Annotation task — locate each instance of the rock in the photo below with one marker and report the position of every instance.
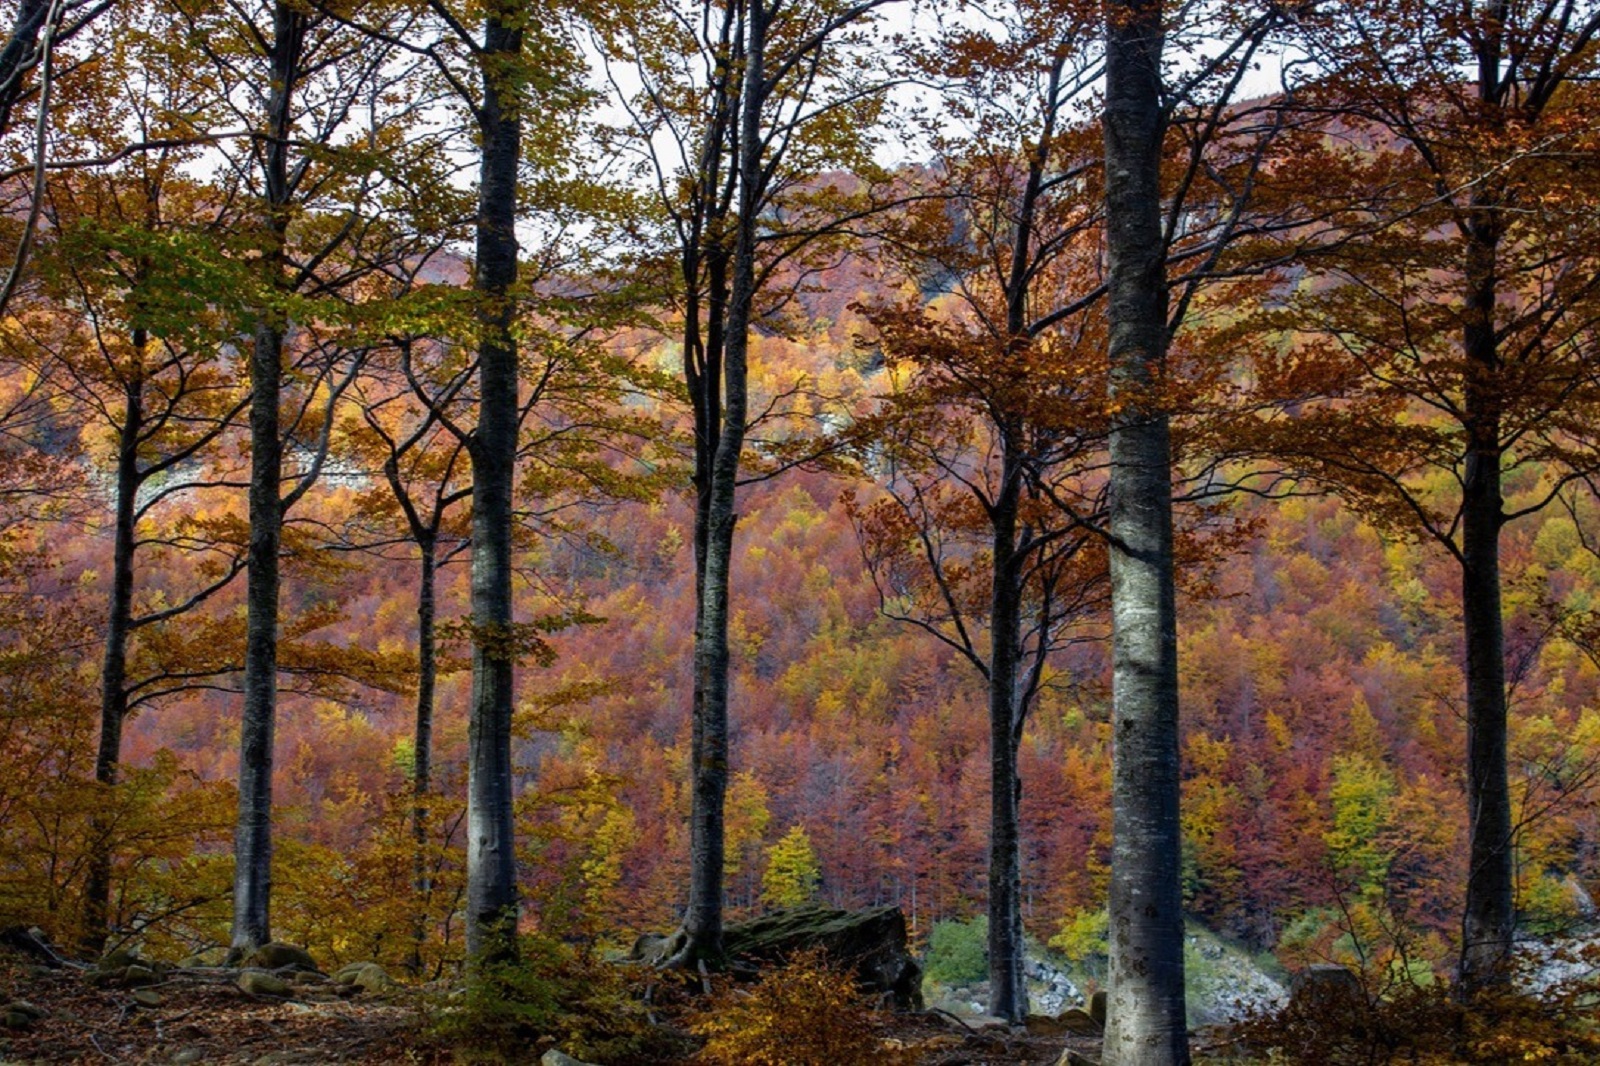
(1097, 1008)
(118, 959)
(32, 942)
(276, 955)
(138, 975)
(367, 976)
(554, 1057)
(1079, 1021)
(1045, 1025)
(872, 942)
(653, 950)
(188, 1056)
(1318, 988)
(207, 958)
(19, 1014)
(986, 1023)
(147, 998)
(260, 983)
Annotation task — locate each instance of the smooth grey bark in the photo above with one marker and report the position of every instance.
(491, 924)
(1146, 1010)
(709, 750)
(252, 879)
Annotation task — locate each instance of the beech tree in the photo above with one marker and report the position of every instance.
(1455, 308)
(1180, 160)
(742, 103)
(324, 112)
(991, 451)
(151, 372)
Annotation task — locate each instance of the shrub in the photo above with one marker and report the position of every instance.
(958, 952)
(553, 994)
(1411, 1022)
(804, 1013)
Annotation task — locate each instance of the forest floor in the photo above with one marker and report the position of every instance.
(202, 1018)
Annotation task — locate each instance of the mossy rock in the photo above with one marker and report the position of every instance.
(367, 976)
(871, 942)
(207, 958)
(1079, 1021)
(276, 955)
(118, 959)
(261, 983)
(20, 1014)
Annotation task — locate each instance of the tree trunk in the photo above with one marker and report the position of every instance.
(703, 921)
(422, 769)
(252, 878)
(1489, 920)
(491, 846)
(1008, 993)
(114, 665)
(1146, 1023)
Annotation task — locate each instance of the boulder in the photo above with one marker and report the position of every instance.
(32, 942)
(147, 997)
(276, 955)
(871, 942)
(367, 976)
(205, 958)
(139, 974)
(1318, 988)
(653, 949)
(1079, 1021)
(261, 983)
(19, 1014)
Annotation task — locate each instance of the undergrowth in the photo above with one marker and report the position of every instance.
(1402, 1020)
(554, 995)
(804, 1013)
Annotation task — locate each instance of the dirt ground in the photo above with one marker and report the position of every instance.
(201, 1017)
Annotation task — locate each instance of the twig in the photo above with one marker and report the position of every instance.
(954, 1018)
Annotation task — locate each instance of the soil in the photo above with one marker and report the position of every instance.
(203, 1018)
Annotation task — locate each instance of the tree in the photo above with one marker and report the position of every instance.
(792, 875)
(308, 169)
(743, 102)
(1455, 312)
(1169, 219)
(153, 374)
(991, 450)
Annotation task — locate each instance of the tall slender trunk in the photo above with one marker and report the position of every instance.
(422, 769)
(1489, 920)
(703, 921)
(114, 664)
(1008, 993)
(252, 878)
(1146, 1024)
(491, 846)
